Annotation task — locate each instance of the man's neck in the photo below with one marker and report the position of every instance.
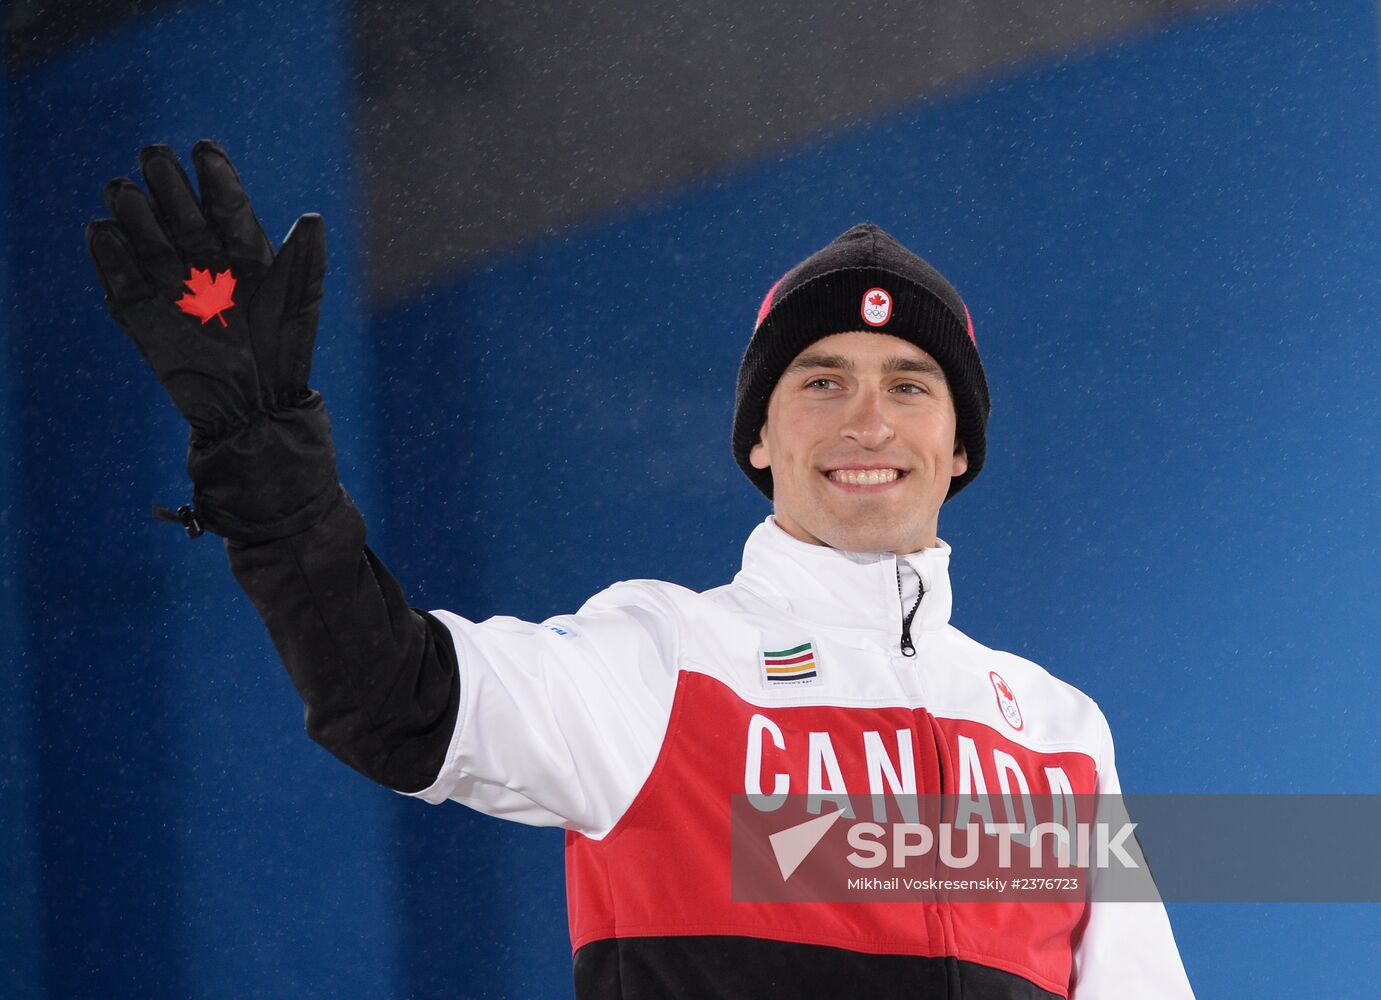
(928, 540)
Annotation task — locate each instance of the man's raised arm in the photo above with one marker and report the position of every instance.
(228, 328)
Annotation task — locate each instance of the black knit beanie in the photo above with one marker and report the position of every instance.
(863, 280)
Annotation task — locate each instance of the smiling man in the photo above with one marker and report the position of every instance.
(861, 442)
(827, 666)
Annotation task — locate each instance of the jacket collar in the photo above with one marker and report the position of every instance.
(843, 589)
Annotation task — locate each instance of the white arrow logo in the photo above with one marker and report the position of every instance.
(793, 844)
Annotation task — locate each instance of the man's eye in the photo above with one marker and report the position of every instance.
(821, 381)
(911, 389)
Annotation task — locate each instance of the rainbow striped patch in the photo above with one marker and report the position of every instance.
(785, 666)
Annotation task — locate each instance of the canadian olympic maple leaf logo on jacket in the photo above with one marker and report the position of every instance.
(208, 296)
(1006, 701)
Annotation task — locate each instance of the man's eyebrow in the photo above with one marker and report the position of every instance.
(920, 366)
(808, 362)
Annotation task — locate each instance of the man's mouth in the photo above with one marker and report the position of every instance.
(864, 477)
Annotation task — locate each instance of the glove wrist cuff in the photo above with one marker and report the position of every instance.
(274, 477)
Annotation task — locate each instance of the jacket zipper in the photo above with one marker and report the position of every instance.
(908, 648)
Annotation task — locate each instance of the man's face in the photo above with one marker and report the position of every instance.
(860, 437)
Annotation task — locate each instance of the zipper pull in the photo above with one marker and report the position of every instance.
(186, 515)
(908, 648)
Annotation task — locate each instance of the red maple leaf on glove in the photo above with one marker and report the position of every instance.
(1006, 691)
(208, 296)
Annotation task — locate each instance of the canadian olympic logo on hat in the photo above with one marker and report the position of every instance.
(877, 306)
(1006, 700)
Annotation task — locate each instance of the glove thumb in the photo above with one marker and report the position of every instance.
(285, 312)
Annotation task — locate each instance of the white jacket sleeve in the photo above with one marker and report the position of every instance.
(560, 722)
(1126, 951)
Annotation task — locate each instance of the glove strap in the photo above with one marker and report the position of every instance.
(186, 515)
(272, 478)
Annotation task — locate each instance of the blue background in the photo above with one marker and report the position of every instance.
(1170, 246)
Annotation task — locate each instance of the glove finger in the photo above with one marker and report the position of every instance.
(133, 212)
(117, 265)
(287, 306)
(177, 208)
(191, 377)
(227, 208)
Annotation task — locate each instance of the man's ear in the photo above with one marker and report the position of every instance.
(758, 456)
(961, 458)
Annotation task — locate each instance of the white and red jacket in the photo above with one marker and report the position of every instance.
(632, 722)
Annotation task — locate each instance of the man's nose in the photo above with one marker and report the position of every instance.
(867, 421)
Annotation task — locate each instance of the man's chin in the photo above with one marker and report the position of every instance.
(856, 537)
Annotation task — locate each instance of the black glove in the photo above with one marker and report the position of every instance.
(228, 329)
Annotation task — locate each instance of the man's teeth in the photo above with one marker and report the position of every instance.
(864, 477)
